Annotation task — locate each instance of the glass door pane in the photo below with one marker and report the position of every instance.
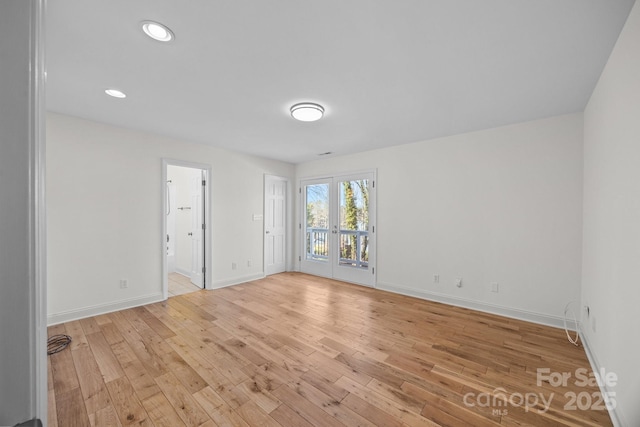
(317, 222)
(354, 223)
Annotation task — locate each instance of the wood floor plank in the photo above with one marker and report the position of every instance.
(64, 373)
(144, 351)
(125, 402)
(370, 412)
(396, 395)
(70, 409)
(333, 407)
(161, 412)
(111, 333)
(261, 397)
(185, 373)
(182, 401)
(394, 409)
(303, 407)
(75, 331)
(94, 390)
(288, 417)
(218, 409)
(90, 325)
(106, 360)
(297, 350)
(141, 381)
(326, 386)
(214, 377)
(52, 413)
(255, 416)
(240, 348)
(106, 417)
(154, 323)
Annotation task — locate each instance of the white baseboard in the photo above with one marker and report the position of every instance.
(529, 316)
(616, 416)
(67, 316)
(185, 273)
(236, 280)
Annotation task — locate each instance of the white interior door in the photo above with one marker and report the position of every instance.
(275, 207)
(197, 230)
(338, 228)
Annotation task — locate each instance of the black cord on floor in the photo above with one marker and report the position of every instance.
(57, 343)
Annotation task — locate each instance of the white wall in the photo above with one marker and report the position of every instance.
(23, 376)
(502, 205)
(104, 206)
(611, 263)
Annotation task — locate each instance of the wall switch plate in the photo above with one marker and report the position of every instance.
(124, 284)
(234, 266)
(494, 287)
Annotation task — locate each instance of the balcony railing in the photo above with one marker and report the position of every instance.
(317, 246)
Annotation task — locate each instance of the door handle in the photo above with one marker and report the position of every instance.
(267, 232)
(189, 234)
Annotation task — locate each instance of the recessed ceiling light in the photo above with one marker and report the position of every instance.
(115, 93)
(307, 112)
(157, 31)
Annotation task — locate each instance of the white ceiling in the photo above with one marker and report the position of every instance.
(387, 72)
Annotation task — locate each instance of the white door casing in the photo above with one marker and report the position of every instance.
(206, 237)
(197, 229)
(275, 220)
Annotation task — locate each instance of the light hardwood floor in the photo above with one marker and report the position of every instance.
(180, 285)
(295, 350)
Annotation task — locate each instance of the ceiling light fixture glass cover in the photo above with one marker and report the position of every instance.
(115, 93)
(307, 112)
(157, 31)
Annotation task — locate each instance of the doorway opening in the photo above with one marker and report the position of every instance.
(186, 237)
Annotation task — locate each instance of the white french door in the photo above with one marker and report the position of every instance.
(338, 227)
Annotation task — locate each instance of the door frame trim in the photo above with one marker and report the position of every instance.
(288, 225)
(207, 218)
(37, 243)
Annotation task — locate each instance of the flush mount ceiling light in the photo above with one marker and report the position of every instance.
(307, 112)
(157, 31)
(115, 93)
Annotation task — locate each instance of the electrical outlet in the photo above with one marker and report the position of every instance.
(436, 278)
(249, 263)
(124, 284)
(459, 282)
(494, 287)
(234, 266)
